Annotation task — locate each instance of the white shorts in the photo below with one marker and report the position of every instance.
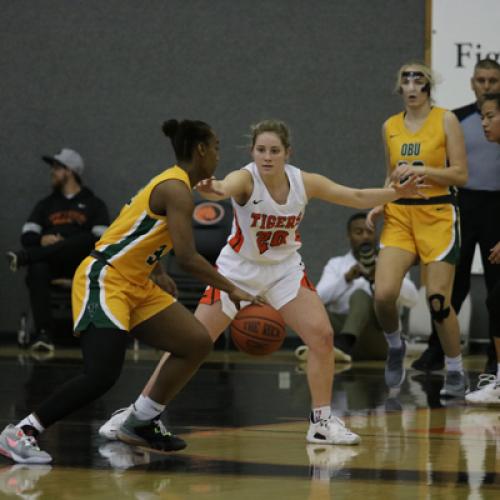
(279, 283)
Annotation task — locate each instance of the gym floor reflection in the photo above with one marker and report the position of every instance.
(245, 422)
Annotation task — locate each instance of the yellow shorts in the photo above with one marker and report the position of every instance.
(102, 297)
(432, 232)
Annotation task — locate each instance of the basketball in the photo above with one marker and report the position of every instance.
(258, 330)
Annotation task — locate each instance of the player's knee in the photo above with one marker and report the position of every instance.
(322, 340)
(437, 306)
(384, 298)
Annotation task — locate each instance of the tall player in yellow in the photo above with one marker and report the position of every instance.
(427, 141)
(113, 296)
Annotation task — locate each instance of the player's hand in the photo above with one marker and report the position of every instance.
(238, 295)
(412, 185)
(373, 215)
(209, 186)
(494, 256)
(50, 239)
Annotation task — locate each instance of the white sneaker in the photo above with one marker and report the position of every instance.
(487, 392)
(109, 429)
(331, 431)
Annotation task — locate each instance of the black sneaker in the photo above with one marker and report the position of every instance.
(150, 434)
(431, 360)
(42, 342)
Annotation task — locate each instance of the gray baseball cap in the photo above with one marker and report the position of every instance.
(69, 158)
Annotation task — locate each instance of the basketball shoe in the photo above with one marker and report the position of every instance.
(149, 434)
(331, 430)
(21, 448)
(455, 385)
(109, 429)
(487, 391)
(394, 366)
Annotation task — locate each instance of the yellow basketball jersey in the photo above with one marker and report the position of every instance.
(427, 146)
(137, 238)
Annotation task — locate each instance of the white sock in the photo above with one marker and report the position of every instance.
(146, 409)
(498, 372)
(320, 413)
(454, 364)
(33, 421)
(394, 339)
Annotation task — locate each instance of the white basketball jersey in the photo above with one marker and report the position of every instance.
(263, 230)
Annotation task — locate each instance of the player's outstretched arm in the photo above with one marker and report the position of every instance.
(319, 186)
(237, 185)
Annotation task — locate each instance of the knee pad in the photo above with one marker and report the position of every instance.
(438, 312)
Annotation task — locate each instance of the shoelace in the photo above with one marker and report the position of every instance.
(29, 441)
(325, 422)
(486, 379)
(160, 428)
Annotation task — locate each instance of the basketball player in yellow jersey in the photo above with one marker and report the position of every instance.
(113, 295)
(427, 141)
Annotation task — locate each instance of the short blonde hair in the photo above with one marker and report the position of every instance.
(417, 66)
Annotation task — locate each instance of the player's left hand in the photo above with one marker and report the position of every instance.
(494, 256)
(208, 186)
(413, 185)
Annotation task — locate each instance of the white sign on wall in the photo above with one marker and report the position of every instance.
(463, 32)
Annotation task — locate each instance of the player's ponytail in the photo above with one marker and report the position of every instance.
(186, 135)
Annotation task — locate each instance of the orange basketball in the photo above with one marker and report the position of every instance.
(258, 330)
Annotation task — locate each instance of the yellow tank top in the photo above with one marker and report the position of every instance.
(137, 238)
(427, 146)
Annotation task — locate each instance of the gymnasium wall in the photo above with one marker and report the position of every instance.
(100, 77)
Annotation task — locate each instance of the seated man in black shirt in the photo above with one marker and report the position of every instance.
(59, 233)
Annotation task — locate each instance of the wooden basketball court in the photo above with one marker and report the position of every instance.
(245, 422)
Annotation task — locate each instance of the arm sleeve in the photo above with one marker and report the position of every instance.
(408, 296)
(33, 228)
(332, 283)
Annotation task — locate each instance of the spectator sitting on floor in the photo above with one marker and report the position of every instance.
(346, 289)
(58, 235)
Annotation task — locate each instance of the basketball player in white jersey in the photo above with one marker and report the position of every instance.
(269, 197)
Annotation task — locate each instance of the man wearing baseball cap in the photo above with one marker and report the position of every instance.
(59, 233)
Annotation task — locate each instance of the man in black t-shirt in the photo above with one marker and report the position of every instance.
(59, 233)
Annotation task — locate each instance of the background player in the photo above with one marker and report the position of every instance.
(488, 391)
(427, 141)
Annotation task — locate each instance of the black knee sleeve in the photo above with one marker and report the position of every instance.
(436, 305)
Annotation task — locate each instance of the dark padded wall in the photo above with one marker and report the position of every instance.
(100, 77)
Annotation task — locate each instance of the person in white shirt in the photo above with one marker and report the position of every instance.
(346, 289)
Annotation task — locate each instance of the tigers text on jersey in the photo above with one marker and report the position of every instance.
(427, 146)
(265, 231)
(138, 238)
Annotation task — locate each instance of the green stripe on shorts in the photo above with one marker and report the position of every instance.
(94, 313)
